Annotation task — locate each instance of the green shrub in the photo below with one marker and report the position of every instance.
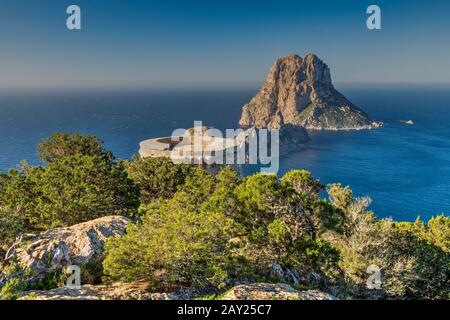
(436, 231)
(69, 191)
(12, 289)
(303, 183)
(20, 193)
(278, 225)
(80, 182)
(19, 281)
(171, 248)
(82, 188)
(11, 226)
(217, 228)
(411, 256)
(16, 284)
(157, 177)
(176, 243)
(323, 214)
(62, 145)
(412, 266)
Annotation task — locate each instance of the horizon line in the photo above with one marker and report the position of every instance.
(210, 85)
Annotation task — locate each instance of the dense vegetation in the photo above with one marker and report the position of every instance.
(195, 229)
(79, 183)
(218, 230)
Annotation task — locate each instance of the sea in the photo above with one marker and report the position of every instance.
(404, 168)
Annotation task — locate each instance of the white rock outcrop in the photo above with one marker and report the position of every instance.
(270, 291)
(139, 291)
(58, 248)
(115, 291)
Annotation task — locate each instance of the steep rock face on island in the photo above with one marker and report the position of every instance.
(300, 92)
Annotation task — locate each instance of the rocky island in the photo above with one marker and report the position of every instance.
(299, 91)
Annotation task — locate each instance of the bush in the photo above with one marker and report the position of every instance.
(411, 256)
(82, 188)
(279, 227)
(436, 231)
(80, 182)
(11, 226)
(304, 184)
(217, 228)
(176, 243)
(61, 145)
(12, 289)
(323, 214)
(69, 191)
(171, 249)
(157, 177)
(413, 266)
(20, 193)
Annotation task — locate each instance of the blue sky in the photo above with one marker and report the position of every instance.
(149, 43)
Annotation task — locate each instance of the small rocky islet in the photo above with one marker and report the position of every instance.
(299, 91)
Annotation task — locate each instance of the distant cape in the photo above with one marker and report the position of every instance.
(299, 91)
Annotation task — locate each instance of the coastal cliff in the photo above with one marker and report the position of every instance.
(299, 91)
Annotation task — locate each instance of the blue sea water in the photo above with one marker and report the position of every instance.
(405, 169)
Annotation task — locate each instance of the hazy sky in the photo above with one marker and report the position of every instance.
(215, 42)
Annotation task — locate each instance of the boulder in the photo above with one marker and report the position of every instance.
(55, 249)
(285, 274)
(270, 291)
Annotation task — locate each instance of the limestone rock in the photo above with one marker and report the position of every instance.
(116, 291)
(269, 291)
(285, 274)
(58, 248)
(300, 92)
(139, 291)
